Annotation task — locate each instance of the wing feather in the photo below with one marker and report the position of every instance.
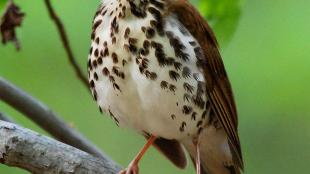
(219, 90)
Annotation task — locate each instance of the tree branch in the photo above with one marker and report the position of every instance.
(45, 118)
(39, 154)
(65, 42)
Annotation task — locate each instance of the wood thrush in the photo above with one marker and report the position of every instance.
(154, 66)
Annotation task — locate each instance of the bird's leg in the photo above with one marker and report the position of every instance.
(198, 163)
(133, 166)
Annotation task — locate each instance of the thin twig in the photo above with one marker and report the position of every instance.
(39, 154)
(45, 118)
(65, 42)
(6, 118)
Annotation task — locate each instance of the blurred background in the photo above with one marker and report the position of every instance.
(266, 50)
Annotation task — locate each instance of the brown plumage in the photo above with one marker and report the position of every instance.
(218, 89)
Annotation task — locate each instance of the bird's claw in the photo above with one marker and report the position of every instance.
(132, 169)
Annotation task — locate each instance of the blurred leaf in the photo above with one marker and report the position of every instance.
(222, 15)
(2, 5)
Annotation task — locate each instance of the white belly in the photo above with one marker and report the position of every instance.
(141, 103)
(145, 107)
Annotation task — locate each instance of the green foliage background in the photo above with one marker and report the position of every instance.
(266, 52)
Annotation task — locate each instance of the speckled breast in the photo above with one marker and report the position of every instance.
(144, 70)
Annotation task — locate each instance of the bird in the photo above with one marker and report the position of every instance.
(154, 67)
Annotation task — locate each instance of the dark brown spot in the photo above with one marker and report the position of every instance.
(172, 88)
(145, 63)
(143, 29)
(92, 84)
(186, 73)
(97, 40)
(146, 44)
(189, 88)
(104, 12)
(96, 53)
(95, 63)
(96, 24)
(124, 9)
(113, 40)
(99, 60)
(114, 118)
(115, 70)
(173, 116)
(187, 110)
(149, 33)
(105, 71)
(147, 74)
(111, 78)
(100, 110)
(187, 97)
(115, 86)
(127, 32)
(177, 66)
(170, 61)
(141, 69)
(133, 49)
(114, 57)
(143, 52)
(161, 56)
(132, 41)
(156, 45)
(199, 123)
(182, 127)
(198, 101)
(124, 62)
(95, 76)
(138, 59)
(164, 84)
(95, 94)
(153, 23)
(194, 114)
(174, 75)
(153, 76)
(89, 64)
(126, 47)
(106, 52)
(91, 51)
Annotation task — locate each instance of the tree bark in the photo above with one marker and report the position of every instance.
(23, 148)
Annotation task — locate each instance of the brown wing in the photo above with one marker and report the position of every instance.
(218, 86)
(171, 149)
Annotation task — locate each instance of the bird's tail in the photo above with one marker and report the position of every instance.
(215, 153)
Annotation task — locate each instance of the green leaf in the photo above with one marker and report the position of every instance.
(222, 15)
(2, 5)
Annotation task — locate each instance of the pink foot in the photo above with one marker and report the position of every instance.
(132, 169)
